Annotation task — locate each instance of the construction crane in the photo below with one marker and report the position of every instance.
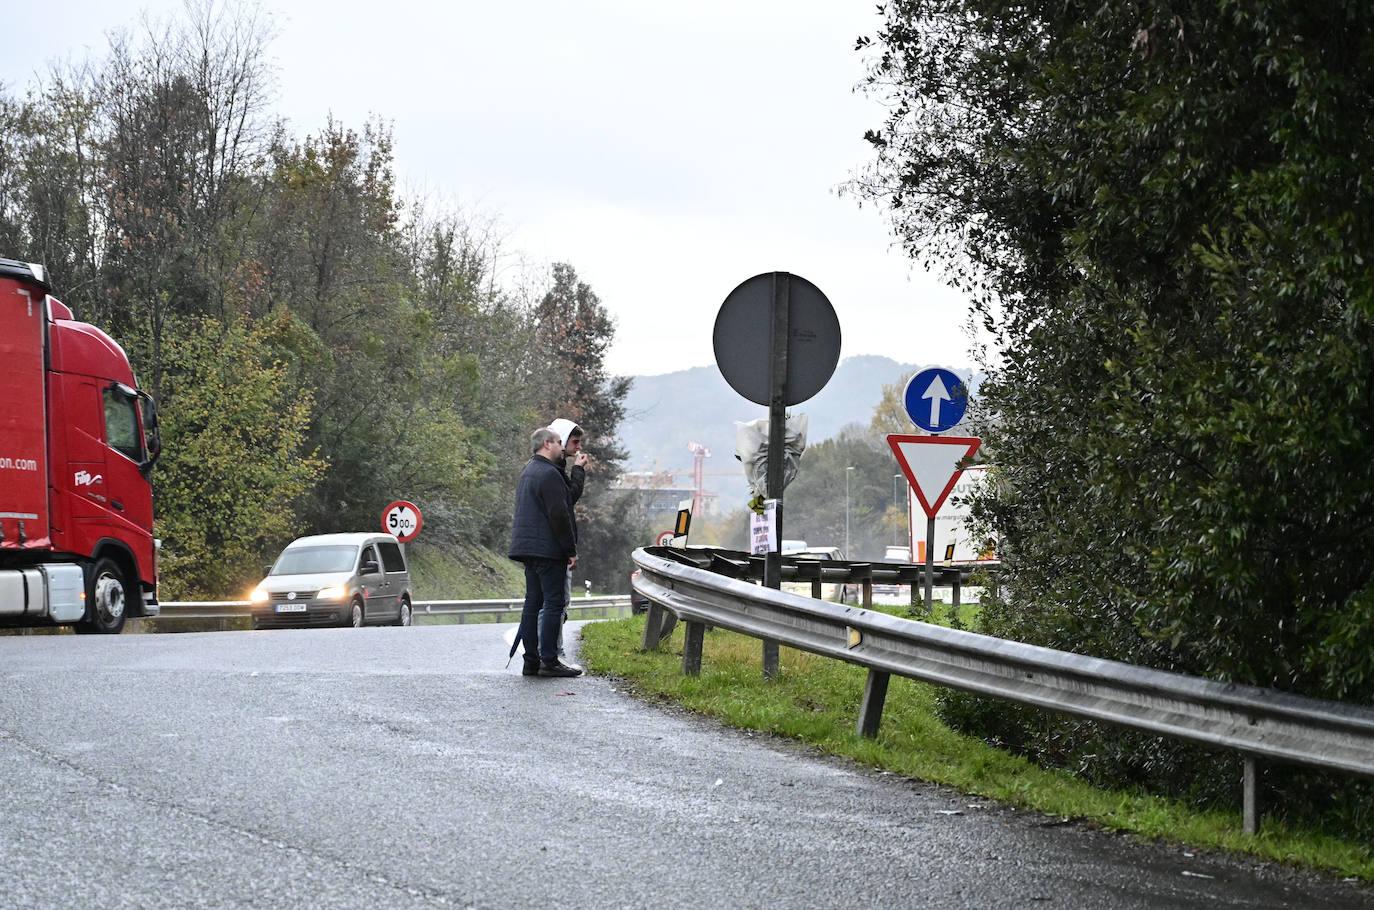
(699, 455)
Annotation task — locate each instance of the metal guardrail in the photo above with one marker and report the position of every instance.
(862, 576)
(1258, 723)
(227, 609)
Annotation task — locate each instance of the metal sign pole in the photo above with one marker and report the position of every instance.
(777, 415)
(930, 565)
(803, 342)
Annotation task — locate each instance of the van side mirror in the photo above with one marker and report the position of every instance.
(369, 568)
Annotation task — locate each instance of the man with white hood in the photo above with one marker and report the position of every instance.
(575, 473)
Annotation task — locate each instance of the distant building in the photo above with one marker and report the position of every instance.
(659, 496)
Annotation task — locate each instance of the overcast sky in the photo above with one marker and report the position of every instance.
(667, 151)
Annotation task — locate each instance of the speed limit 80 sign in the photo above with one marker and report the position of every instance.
(402, 520)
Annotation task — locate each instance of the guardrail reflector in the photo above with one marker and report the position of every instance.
(856, 637)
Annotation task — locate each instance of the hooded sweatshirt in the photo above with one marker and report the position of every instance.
(576, 475)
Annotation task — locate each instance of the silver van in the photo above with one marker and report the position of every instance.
(335, 580)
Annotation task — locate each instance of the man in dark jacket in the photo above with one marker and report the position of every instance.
(544, 538)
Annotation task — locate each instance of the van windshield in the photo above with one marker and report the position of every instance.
(310, 560)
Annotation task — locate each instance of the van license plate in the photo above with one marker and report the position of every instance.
(291, 608)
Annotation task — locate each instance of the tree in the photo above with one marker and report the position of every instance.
(572, 335)
(1162, 213)
(165, 202)
(889, 415)
(815, 501)
(491, 331)
(385, 379)
(236, 465)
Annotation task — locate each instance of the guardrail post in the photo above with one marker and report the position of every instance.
(770, 659)
(652, 619)
(659, 623)
(871, 708)
(1249, 801)
(691, 648)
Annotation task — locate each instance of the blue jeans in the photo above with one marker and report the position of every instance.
(545, 599)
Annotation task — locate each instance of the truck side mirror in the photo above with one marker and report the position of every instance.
(151, 433)
(369, 568)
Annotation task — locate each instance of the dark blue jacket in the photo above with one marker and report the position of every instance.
(544, 526)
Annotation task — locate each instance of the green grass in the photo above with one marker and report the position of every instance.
(816, 699)
(463, 573)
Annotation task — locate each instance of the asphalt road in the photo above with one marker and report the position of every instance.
(397, 767)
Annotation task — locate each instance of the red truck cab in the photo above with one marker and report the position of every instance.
(78, 441)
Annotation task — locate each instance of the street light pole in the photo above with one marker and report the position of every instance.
(896, 524)
(847, 554)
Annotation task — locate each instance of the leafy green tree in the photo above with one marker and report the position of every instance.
(1163, 213)
(153, 183)
(889, 415)
(572, 333)
(236, 464)
(491, 332)
(385, 382)
(815, 503)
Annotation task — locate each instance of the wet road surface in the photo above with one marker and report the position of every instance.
(407, 767)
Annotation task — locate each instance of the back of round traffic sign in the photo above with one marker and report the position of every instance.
(743, 334)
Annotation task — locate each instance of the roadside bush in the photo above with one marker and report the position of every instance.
(1164, 214)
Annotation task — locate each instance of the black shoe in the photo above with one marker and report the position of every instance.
(531, 667)
(556, 667)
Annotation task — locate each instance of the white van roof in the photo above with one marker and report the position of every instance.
(320, 540)
(821, 552)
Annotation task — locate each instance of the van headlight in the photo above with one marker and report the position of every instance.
(259, 596)
(333, 592)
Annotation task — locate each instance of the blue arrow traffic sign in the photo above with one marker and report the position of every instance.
(935, 400)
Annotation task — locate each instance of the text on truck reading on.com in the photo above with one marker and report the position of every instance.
(18, 464)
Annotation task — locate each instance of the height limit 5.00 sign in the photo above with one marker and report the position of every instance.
(402, 520)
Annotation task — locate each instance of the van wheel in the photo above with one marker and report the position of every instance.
(359, 614)
(407, 616)
(107, 599)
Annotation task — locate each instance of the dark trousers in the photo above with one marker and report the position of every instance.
(545, 600)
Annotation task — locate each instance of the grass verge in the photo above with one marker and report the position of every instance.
(816, 699)
(464, 572)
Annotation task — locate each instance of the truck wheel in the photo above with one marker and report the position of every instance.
(107, 599)
(359, 616)
(406, 617)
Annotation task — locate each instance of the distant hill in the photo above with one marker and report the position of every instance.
(666, 412)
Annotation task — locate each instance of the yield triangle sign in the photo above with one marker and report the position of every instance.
(931, 464)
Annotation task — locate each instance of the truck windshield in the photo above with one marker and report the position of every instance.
(310, 560)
